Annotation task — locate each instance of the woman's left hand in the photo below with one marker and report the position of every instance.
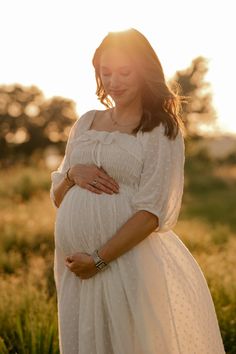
(82, 264)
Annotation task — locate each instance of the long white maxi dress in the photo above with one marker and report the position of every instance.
(154, 299)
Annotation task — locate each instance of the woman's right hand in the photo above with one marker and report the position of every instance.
(84, 175)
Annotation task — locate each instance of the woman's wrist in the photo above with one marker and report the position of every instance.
(68, 178)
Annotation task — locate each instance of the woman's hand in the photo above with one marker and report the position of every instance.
(82, 264)
(84, 175)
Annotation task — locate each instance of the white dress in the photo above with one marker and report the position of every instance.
(154, 299)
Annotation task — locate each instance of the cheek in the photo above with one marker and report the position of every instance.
(106, 84)
(132, 81)
(105, 81)
(133, 86)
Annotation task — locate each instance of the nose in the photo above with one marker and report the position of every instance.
(114, 81)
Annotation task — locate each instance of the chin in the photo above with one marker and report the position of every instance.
(123, 99)
(122, 102)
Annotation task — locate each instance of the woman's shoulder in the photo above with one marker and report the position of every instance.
(153, 134)
(160, 131)
(86, 116)
(157, 139)
(80, 125)
(84, 119)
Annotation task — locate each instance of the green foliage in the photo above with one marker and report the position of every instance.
(3, 348)
(225, 302)
(212, 198)
(30, 123)
(28, 321)
(21, 184)
(199, 109)
(28, 310)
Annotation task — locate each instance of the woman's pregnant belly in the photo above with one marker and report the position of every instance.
(86, 220)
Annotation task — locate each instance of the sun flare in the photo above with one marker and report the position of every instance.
(64, 64)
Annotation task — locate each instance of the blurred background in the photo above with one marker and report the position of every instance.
(47, 82)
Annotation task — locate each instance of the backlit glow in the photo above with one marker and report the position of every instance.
(50, 44)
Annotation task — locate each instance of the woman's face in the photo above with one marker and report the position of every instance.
(119, 77)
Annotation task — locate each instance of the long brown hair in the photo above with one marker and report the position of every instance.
(161, 104)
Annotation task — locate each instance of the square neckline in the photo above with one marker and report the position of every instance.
(106, 131)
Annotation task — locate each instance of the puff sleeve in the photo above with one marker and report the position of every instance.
(59, 174)
(161, 183)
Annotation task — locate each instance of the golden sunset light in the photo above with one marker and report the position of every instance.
(50, 44)
(117, 177)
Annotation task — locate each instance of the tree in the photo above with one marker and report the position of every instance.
(199, 112)
(29, 122)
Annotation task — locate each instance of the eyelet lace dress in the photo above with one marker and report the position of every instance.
(153, 299)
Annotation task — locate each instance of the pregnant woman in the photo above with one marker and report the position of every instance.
(126, 283)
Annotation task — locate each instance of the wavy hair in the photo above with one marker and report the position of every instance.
(161, 103)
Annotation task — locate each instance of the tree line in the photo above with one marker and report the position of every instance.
(30, 123)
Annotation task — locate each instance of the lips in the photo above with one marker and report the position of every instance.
(117, 92)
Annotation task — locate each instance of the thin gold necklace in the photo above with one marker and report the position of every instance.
(116, 123)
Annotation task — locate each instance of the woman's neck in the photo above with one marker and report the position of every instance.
(127, 115)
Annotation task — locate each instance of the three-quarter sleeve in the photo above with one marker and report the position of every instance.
(162, 179)
(60, 173)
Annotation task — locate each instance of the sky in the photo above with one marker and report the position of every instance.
(51, 43)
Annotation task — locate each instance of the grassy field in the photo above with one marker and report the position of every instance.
(28, 317)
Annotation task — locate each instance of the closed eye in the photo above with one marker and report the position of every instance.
(123, 74)
(122, 71)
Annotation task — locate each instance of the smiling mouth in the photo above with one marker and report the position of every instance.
(117, 93)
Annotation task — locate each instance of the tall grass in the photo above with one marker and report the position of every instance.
(28, 312)
(28, 322)
(28, 308)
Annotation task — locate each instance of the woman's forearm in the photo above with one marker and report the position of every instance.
(137, 228)
(60, 191)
